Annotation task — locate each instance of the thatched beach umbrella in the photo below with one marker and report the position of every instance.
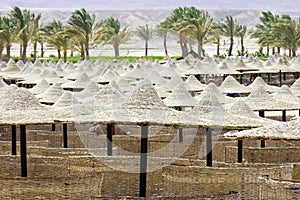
(295, 88)
(232, 86)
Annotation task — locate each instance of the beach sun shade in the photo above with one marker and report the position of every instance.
(279, 131)
(231, 86)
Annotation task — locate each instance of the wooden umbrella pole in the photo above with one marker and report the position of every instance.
(143, 160)
(23, 149)
(209, 147)
(13, 140)
(240, 151)
(109, 138)
(65, 135)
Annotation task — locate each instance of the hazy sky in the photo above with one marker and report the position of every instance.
(273, 5)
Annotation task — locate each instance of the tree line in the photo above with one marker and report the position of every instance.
(192, 26)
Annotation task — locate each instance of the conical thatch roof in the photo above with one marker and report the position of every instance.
(2, 84)
(52, 94)
(259, 99)
(295, 88)
(143, 107)
(210, 113)
(91, 90)
(180, 97)
(65, 100)
(108, 76)
(280, 65)
(80, 83)
(40, 87)
(193, 84)
(21, 107)
(260, 82)
(231, 86)
(285, 94)
(12, 68)
(279, 131)
(241, 67)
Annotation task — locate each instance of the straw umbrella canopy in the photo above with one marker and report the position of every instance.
(230, 86)
(295, 88)
(260, 100)
(281, 66)
(79, 84)
(285, 94)
(260, 82)
(91, 90)
(193, 84)
(22, 107)
(156, 79)
(137, 73)
(209, 113)
(224, 69)
(179, 98)
(242, 67)
(143, 107)
(52, 94)
(12, 68)
(40, 87)
(109, 75)
(279, 131)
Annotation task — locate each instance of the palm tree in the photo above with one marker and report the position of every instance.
(7, 33)
(82, 25)
(145, 33)
(163, 33)
(23, 21)
(241, 32)
(289, 35)
(263, 31)
(111, 33)
(56, 36)
(35, 35)
(215, 36)
(197, 23)
(173, 24)
(229, 30)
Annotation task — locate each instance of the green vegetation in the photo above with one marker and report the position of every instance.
(75, 59)
(192, 26)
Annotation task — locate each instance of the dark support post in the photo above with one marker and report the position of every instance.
(262, 143)
(284, 76)
(13, 140)
(269, 78)
(53, 127)
(109, 128)
(23, 152)
(65, 132)
(284, 115)
(261, 113)
(143, 161)
(240, 151)
(280, 79)
(208, 147)
(180, 136)
(241, 78)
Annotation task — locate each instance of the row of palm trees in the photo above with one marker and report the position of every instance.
(192, 26)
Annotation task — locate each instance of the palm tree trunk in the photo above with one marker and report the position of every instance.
(268, 50)
(273, 50)
(86, 46)
(200, 49)
(65, 55)
(242, 46)
(42, 49)
(25, 43)
(58, 54)
(82, 55)
(230, 47)
(183, 45)
(146, 47)
(1, 52)
(21, 49)
(218, 47)
(290, 52)
(34, 50)
(165, 44)
(72, 53)
(117, 52)
(293, 49)
(8, 51)
(278, 50)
